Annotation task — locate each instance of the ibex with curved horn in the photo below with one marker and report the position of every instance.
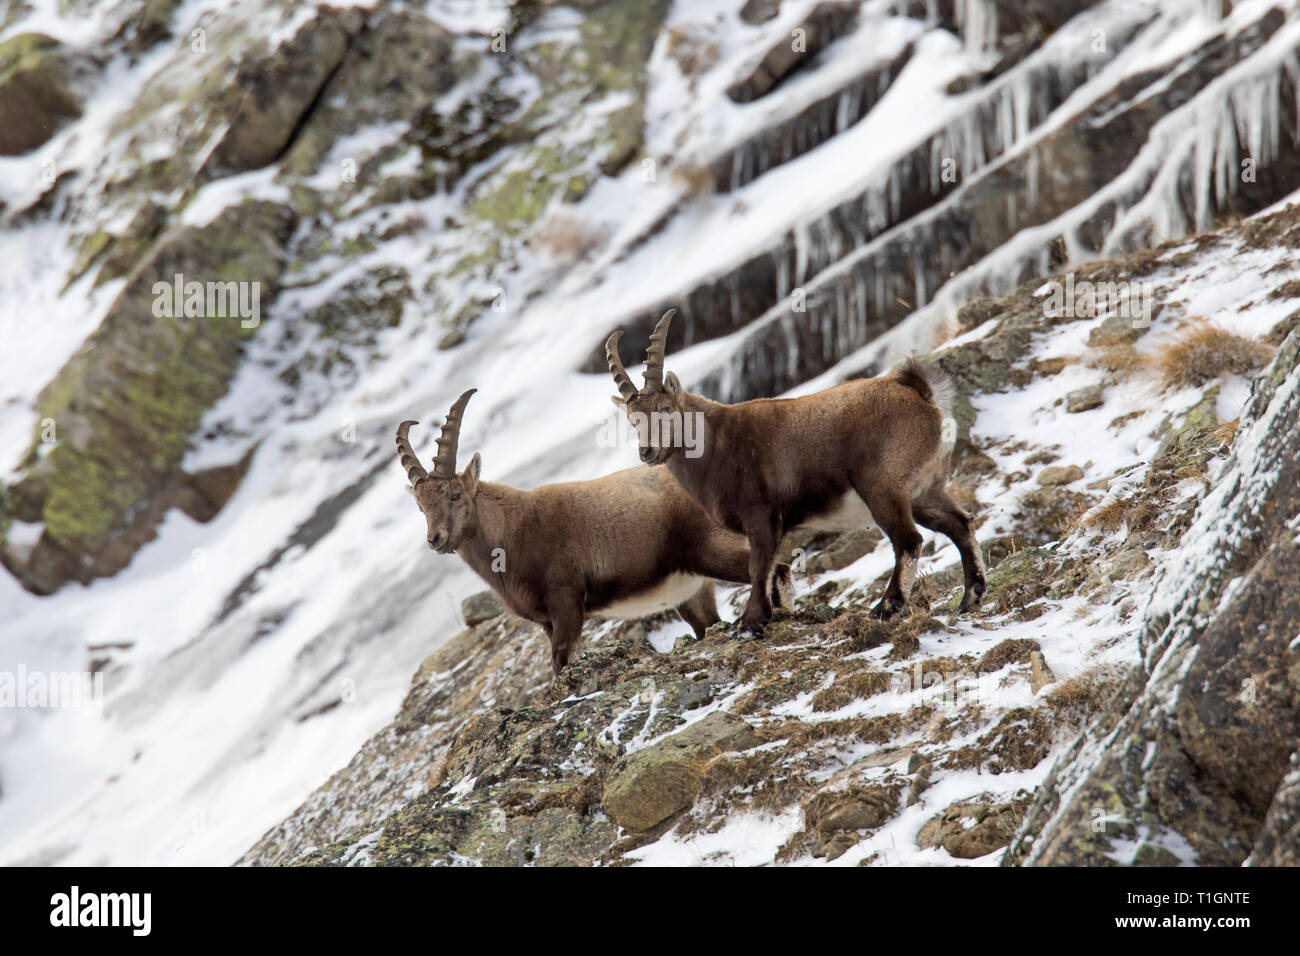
(866, 449)
(623, 546)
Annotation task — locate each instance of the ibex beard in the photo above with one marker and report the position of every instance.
(626, 545)
(867, 450)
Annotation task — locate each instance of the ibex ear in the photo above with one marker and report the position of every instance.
(672, 386)
(470, 476)
(410, 490)
(618, 400)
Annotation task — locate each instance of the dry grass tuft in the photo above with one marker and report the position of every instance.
(848, 689)
(694, 178)
(1226, 433)
(1202, 352)
(945, 330)
(1119, 357)
(1139, 513)
(1108, 517)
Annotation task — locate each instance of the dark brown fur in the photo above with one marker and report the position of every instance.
(770, 465)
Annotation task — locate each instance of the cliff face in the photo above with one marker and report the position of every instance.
(1192, 760)
(1126, 695)
(202, 504)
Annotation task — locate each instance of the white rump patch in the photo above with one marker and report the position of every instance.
(671, 591)
(850, 513)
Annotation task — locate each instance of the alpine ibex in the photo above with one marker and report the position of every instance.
(866, 449)
(624, 546)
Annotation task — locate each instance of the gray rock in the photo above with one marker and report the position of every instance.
(1040, 675)
(759, 11)
(826, 22)
(651, 785)
(1117, 330)
(480, 607)
(1083, 399)
(1059, 474)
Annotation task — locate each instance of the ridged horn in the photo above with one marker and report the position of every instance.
(444, 463)
(654, 355)
(621, 379)
(414, 470)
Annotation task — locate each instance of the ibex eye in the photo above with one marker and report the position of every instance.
(455, 496)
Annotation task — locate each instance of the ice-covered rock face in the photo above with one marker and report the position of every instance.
(423, 201)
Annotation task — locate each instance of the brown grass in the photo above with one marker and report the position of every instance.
(1138, 512)
(1226, 433)
(1120, 357)
(1019, 741)
(1077, 700)
(848, 689)
(1109, 516)
(691, 50)
(1202, 352)
(694, 178)
(945, 330)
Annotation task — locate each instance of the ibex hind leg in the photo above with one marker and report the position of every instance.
(937, 511)
(893, 513)
(701, 611)
(781, 587)
(723, 556)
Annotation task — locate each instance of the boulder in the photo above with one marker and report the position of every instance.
(1059, 475)
(1084, 399)
(759, 11)
(970, 830)
(833, 818)
(649, 786)
(278, 90)
(40, 81)
(480, 607)
(825, 23)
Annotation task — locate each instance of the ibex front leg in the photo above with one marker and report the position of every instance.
(763, 533)
(566, 610)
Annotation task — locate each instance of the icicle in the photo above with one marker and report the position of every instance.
(800, 235)
(978, 22)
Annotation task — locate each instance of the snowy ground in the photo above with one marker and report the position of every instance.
(201, 748)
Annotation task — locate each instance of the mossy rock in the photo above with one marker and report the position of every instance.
(126, 404)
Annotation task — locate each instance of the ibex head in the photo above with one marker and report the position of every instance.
(656, 409)
(447, 499)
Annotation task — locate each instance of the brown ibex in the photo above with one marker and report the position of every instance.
(866, 449)
(623, 546)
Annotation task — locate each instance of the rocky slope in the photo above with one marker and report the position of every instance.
(1110, 704)
(204, 508)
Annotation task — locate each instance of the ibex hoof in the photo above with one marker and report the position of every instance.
(886, 609)
(970, 601)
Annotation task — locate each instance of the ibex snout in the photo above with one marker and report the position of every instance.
(438, 540)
